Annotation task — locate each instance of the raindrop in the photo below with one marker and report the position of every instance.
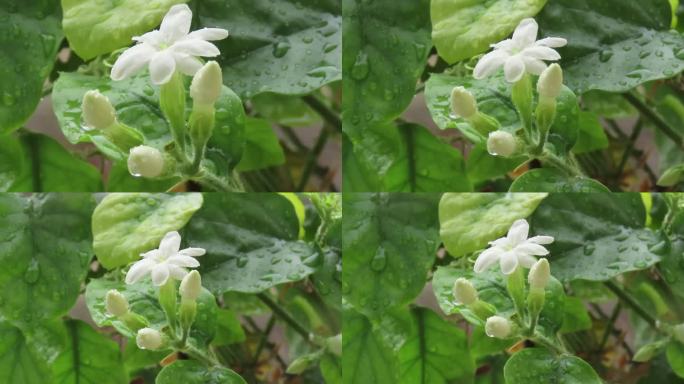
(589, 249)
(281, 48)
(32, 272)
(242, 262)
(379, 260)
(606, 55)
(361, 66)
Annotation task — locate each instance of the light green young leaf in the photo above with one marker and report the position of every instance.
(126, 225)
(46, 252)
(229, 330)
(592, 136)
(94, 28)
(279, 46)
(193, 372)
(468, 222)
(251, 241)
(89, 358)
(462, 29)
(541, 366)
(389, 243)
(262, 148)
(675, 356)
(290, 111)
(30, 34)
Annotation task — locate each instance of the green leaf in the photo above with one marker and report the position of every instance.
(603, 230)
(26, 359)
(229, 330)
(251, 242)
(262, 148)
(328, 278)
(576, 318)
(608, 105)
(331, 369)
(481, 166)
(671, 267)
(428, 355)
(552, 180)
(192, 372)
(276, 46)
(389, 243)
(12, 162)
(30, 34)
(614, 46)
(89, 358)
(565, 129)
(285, 110)
(541, 366)
(120, 180)
(45, 252)
(45, 164)
(126, 225)
(366, 358)
(94, 28)
(675, 356)
(385, 47)
(407, 158)
(591, 137)
(468, 222)
(142, 299)
(462, 29)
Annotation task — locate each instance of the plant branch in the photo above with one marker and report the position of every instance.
(312, 158)
(326, 113)
(655, 117)
(630, 302)
(286, 317)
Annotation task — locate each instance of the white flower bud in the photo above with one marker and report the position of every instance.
(464, 292)
(334, 344)
(115, 303)
(191, 286)
(207, 83)
(539, 274)
(145, 161)
(678, 332)
(98, 112)
(550, 82)
(501, 143)
(148, 338)
(463, 102)
(498, 327)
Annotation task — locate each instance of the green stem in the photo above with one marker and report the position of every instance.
(312, 158)
(609, 327)
(542, 340)
(630, 302)
(326, 113)
(515, 284)
(200, 356)
(215, 183)
(172, 103)
(659, 122)
(560, 164)
(286, 317)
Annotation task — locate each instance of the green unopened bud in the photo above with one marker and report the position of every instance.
(207, 83)
(123, 136)
(501, 143)
(149, 338)
(464, 292)
(497, 326)
(463, 103)
(539, 274)
(550, 82)
(334, 344)
(145, 161)
(115, 303)
(650, 350)
(672, 176)
(98, 112)
(678, 332)
(522, 96)
(302, 363)
(191, 286)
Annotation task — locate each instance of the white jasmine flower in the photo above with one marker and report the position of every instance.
(206, 85)
(116, 303)
(539, 275)
(464, 292)
(514, 249)
(522, 53)
(501, 143)
(463, 103)
(191, 286)
(497, 326)
(145, 161)
(98, 112)
(166, 261)
(149, 338)
(170, 48)
(550, 82)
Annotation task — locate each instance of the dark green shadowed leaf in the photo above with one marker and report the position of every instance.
(592, 136)
(262, 148)
(614, 45)
(541, 366)
(89, 358)
(251, 241)
(280, 46)
(30, 34)
(389, 242)
(551, 180)
(26, 358)
(365, 357)
(46, 252)
(192, 372)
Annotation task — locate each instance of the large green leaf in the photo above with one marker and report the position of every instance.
(276, 46)
(192, 372)
(592, 136)
(119, 180)
(26, 359)
(30, 34)
(128, 224)
(385, 47)
(564, 131)
(389, 243)
(603, 230)
(97, 27)
(481, 166)
(89, 358)
(251, 241)
(614, 45)
(541, 366)
(429, 353)
(12, 162)
(551, 180)
(262, 148)
(407, 158)
(366, 358)
(462, 29)
(469, 221)
(142, 299)
(43, 164)
(45, 251)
